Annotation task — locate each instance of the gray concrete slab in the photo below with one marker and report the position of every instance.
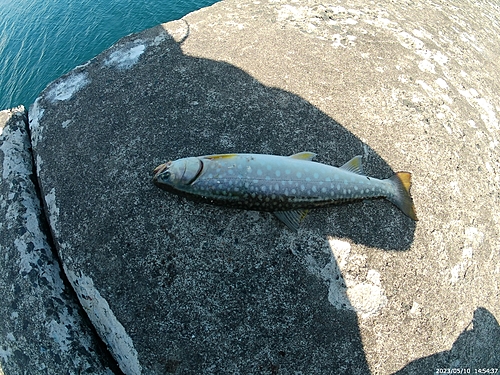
(42, 328)
(178, 287)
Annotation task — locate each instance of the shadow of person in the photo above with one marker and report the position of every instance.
(203, 289)
(475, 351)
(221, 109)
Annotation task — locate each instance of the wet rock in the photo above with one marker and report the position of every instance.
(43, 330)
(178, 287)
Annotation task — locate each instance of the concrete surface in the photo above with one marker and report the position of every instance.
(42, 330)
(177, 287)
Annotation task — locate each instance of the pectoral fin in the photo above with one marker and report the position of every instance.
(291, 219)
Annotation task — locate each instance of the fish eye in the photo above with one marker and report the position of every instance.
(165, 175)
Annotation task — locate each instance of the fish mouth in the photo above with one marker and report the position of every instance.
(160, 169)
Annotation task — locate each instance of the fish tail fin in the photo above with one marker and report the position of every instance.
(402, 198)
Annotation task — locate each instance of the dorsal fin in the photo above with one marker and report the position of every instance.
(354, 165)
(305, 155)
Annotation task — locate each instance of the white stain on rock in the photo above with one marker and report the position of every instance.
(127, 54)
(36, 114)
(53, 210)
(67, 86)
(473, 241)
(427, 66)
(125, 57)
(486, 109)
(366, 298)
(350, 285)
(66, 123)
(106, 323)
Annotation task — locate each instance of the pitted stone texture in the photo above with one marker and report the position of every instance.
(42, 331)
(191, 288)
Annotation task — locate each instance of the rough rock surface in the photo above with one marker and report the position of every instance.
(42, 330)
(178, 287)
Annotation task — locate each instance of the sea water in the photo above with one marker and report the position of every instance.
(40, 40)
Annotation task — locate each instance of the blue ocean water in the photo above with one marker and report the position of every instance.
(40, 40)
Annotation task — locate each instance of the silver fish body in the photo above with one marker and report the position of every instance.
(278, 184)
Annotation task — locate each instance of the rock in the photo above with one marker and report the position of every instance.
(476, 349)
(177, 287)
(42, 330)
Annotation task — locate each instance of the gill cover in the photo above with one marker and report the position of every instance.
(179, 172)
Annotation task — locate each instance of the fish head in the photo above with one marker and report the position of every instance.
(177, 173)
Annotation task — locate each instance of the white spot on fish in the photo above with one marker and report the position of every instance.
(294, 191)
(268, 167)
(278, 173)
(298, 174)
(288, 171)
(316, 175)
(314, 189)
(259, 172)
(323, 190)
(276, 187)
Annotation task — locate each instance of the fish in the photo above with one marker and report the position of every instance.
(287, 186)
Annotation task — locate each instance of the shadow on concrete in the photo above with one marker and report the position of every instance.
(201, 287)
(476, 350)
(214, 107)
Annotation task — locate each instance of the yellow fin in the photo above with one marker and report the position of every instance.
(402, 198)
(354, 165)
(220, 156)
(405, 178)
(303, 155)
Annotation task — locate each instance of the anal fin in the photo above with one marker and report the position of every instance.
(291, 219)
